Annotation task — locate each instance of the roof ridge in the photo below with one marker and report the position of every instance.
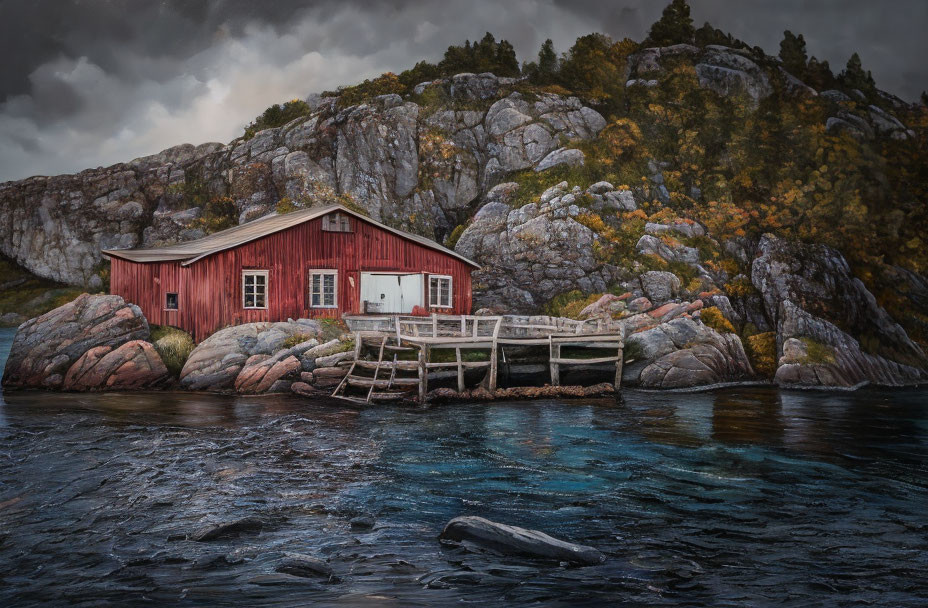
(195, 250)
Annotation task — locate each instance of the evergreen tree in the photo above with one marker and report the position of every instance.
(547, 61)
(674, 27)
(818, 75)
(506, 62)
(854, 76)
(793, 54)
(925, 98)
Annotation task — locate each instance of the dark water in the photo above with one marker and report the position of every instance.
(748, 497)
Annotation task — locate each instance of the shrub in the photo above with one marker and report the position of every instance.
(714, 318)
(455, 236)
(173, 346)
(277, 116)
(570, 304)
(761, 350)
(296, 339)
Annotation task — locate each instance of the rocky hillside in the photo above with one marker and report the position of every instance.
(778, 201)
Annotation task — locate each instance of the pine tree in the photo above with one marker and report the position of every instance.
(547, 61)
(793, 54)
(925, 98)
(854, 76)
(674, 27)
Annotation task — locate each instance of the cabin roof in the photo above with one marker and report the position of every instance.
(192, 251)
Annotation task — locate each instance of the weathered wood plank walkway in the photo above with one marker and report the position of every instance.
(399, 334)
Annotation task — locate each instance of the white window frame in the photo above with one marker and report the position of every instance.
(263, 273)
(176, 297)
(323, 272)
(439, 304)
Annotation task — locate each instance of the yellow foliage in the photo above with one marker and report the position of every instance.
(714, 318)
(761, 350)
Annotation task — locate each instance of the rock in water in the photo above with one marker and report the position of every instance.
(46, 347)
(297, 564)
(229, 528)
(512, 540)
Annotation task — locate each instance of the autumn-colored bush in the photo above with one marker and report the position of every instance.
(173, 345)
(761, 350)
(714, 318)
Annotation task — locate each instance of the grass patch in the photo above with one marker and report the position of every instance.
(173, 345)
(23, 293)
(296, 339)
(570, 304)
(817, 353)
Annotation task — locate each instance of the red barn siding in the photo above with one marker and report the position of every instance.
(210, 291)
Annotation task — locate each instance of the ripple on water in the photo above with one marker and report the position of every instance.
(738, 497)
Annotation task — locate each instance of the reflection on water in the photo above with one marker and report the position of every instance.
(740, 497)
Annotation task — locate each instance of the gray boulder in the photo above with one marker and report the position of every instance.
(512, 540)
(216, 362)
(660, 286)
(561, 156)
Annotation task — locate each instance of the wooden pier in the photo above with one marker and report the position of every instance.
(394, 354)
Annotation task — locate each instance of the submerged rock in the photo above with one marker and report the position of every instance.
(297, 564)
(45, 348)
(229, 528)
(513, 540)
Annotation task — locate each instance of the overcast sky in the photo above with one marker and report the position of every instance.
(86, 83)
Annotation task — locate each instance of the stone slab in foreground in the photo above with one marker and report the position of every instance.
(513, 540)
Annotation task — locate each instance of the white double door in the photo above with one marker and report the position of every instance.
(398, 293)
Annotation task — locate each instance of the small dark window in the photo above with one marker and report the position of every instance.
(336, 222)
(170, 301)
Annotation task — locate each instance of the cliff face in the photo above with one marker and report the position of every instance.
(419, 167)
(518, 176)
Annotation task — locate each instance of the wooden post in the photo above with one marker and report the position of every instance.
(399, 341)
(434, 325)
(357, 345)
(423, 373)
(457, 352)
(463, 325)
(555, 354)
(619, 362)
(493, 360)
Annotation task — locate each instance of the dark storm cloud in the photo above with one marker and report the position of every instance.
(91, 82)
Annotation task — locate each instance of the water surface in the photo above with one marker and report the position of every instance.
(741, 497)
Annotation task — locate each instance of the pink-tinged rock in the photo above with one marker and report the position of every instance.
(281, 369)
(303, 389)
(660, 311)
(604, 306)
(626, 295)
(45, 348)
(694, 306)
(641, 304)
(262, 371)
(134, 365)
(307, 377)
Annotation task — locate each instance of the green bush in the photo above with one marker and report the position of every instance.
(277, 116)
(173, 345)
(455, 236)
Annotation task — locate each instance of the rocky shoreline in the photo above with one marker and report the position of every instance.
(102, 343)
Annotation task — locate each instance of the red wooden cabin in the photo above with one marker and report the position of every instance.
(322, 262)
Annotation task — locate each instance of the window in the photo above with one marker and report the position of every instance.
(439, 291)
(336, 222)
(170, 301)
(254, 289)
(323, 288)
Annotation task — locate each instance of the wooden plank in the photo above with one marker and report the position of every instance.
(404, 365)
(562, 361)
(453, 364)
(554, 355)
(619, 362)
(423, 373)
(365, 382)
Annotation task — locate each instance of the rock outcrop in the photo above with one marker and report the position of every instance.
(684, 353)
(249, 358)
(408, 165)
(46, 348)
(810, 294)
(537, 251)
